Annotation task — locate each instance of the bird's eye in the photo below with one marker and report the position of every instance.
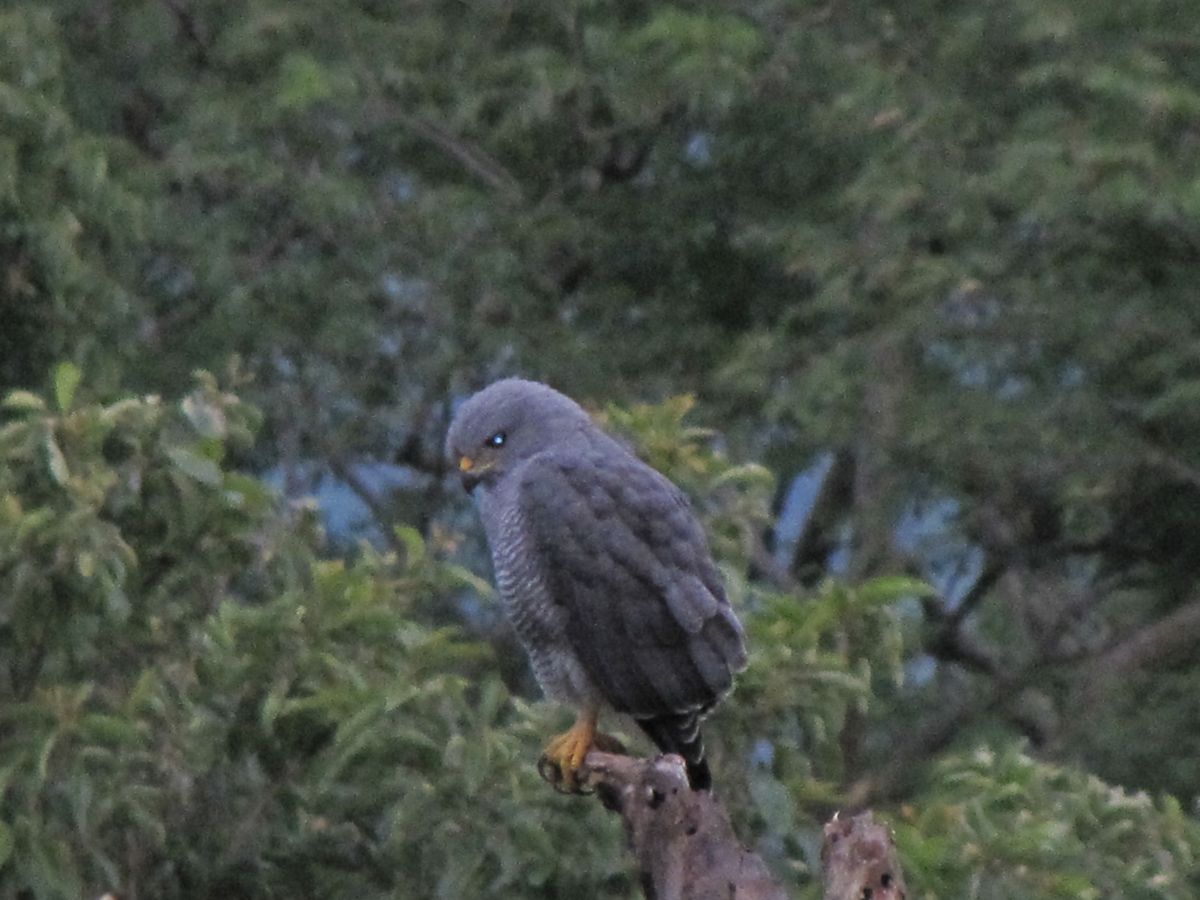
(497, 439)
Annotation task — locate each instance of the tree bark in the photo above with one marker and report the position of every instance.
(685, 847)
(859, 861)
(1165, 639)
(682, 840)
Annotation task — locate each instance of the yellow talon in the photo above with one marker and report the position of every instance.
(564, 754)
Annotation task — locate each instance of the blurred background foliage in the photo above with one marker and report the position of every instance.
(902, 294)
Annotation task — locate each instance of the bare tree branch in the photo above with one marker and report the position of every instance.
(1171, 464)
(473, 158)
(346, 472)
(931, 736)
(859, 860)
(682, 839)
(685, 847)
(1169, 637)
(992, 572)
(938, 732)
(191, 29)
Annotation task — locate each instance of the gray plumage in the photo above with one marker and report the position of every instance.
(601, 565)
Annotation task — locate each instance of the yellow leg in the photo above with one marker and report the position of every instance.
(564, 754)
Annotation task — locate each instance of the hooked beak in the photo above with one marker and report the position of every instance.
(469, 474)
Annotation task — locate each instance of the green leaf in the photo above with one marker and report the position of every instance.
(66, 380)
(106, 729)
(9, 169)
(889, 589)
(492, 700)
(145, 695)
(773, 803)
(55, 459)
(52, 866)
(33, 521)
(461, 576)
(24, 401)
(6, 844)
(414, 545)
(303, 81)
(206, 418)
(747, 473)
(116, 603)
(192, 464)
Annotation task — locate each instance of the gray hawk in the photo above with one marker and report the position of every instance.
(602, 569)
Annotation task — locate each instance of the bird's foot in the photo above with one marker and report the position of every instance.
(563, 757)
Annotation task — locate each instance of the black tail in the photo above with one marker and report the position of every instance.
(681, 734)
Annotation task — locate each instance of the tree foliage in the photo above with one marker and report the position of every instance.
(1009, 826)
(901, 294)
(196, 704)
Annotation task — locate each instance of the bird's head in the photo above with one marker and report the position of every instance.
(505, 424)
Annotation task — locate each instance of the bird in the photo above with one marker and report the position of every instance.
(604, 571)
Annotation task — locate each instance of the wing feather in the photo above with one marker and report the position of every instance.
(625, 557)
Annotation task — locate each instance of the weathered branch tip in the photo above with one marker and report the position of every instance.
(685, 848)
(859, 860)
(681, 839)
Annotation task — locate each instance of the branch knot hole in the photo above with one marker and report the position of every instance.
(654, 798)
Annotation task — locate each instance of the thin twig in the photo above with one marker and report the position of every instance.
(472, 157)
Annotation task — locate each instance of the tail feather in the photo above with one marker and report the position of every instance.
(680, 733)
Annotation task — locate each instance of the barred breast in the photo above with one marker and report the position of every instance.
(538, 621)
